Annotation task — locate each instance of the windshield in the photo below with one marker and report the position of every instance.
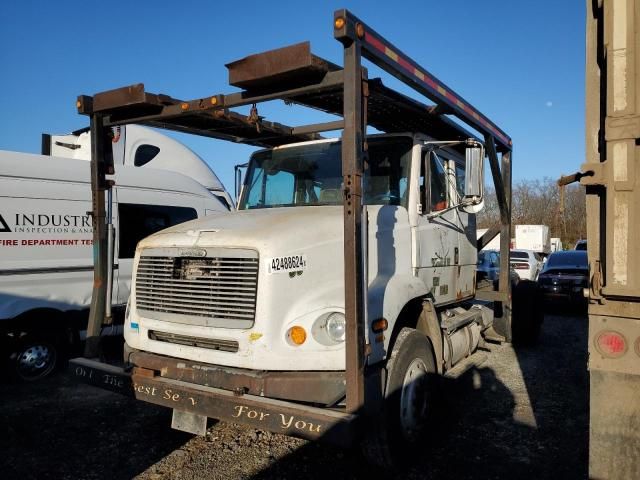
(312, 175)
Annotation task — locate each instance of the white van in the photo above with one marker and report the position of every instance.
(46, 253)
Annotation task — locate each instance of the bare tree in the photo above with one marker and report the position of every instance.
(537, 202)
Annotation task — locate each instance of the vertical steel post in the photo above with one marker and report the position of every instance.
(352, 153)
(98, 186)
(501, 173)
(505, 234)
(108, 318)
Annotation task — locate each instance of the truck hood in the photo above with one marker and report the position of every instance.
(300, 280)
(277, 229)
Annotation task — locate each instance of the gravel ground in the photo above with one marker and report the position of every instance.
(517, 413)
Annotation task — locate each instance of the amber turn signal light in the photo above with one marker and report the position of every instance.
(297, 335)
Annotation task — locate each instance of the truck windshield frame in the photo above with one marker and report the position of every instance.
(311, 175)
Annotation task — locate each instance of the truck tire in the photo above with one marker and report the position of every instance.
(395, 433)
(34, 357)
(527, 314)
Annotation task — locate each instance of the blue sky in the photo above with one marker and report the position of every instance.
(520, 63)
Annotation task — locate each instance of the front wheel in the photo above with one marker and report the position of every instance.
(408, 403)
(34, 358)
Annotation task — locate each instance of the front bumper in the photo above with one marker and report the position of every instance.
(323, 388)
(149, 385)
(570, 293)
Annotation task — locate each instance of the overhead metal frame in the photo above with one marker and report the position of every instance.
(359, 40)
(344, 92)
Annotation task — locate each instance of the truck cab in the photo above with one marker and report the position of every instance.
(262, 288)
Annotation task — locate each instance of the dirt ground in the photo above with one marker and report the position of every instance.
(522, 413)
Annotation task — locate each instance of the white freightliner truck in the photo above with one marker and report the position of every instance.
(345, 281)
(266, 281)
(46, 266)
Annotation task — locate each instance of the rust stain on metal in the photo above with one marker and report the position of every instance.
(318, 387)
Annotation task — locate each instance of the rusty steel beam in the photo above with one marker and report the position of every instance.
(129, 97)
(353, 146)
(489, 235)
(293, 64)
(332, 80)
(101, 375)
(302, 421)
(318, 127)
(497, 175)
(504, 282)
(391, 59)
(298, 420)
(99, 168)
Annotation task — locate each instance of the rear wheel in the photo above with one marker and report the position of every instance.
(408, 403)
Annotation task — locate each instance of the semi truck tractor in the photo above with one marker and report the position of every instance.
(328, 304)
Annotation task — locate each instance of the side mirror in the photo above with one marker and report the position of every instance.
(474, 171)
(474, 177)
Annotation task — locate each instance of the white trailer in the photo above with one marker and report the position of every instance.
(534, 238)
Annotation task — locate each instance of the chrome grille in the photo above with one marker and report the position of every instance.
(210, 343)
(208, 291)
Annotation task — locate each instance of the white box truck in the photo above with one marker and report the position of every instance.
(534, 238)
(46, 252)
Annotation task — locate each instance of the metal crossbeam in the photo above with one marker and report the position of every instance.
(388, 57)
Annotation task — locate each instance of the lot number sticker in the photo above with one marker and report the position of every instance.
(292, 263)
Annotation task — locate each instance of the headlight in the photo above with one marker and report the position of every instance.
(336, 326)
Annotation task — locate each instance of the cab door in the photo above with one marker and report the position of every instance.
(437, 229)
(466, 227)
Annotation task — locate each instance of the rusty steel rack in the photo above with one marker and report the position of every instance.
(294, 74)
